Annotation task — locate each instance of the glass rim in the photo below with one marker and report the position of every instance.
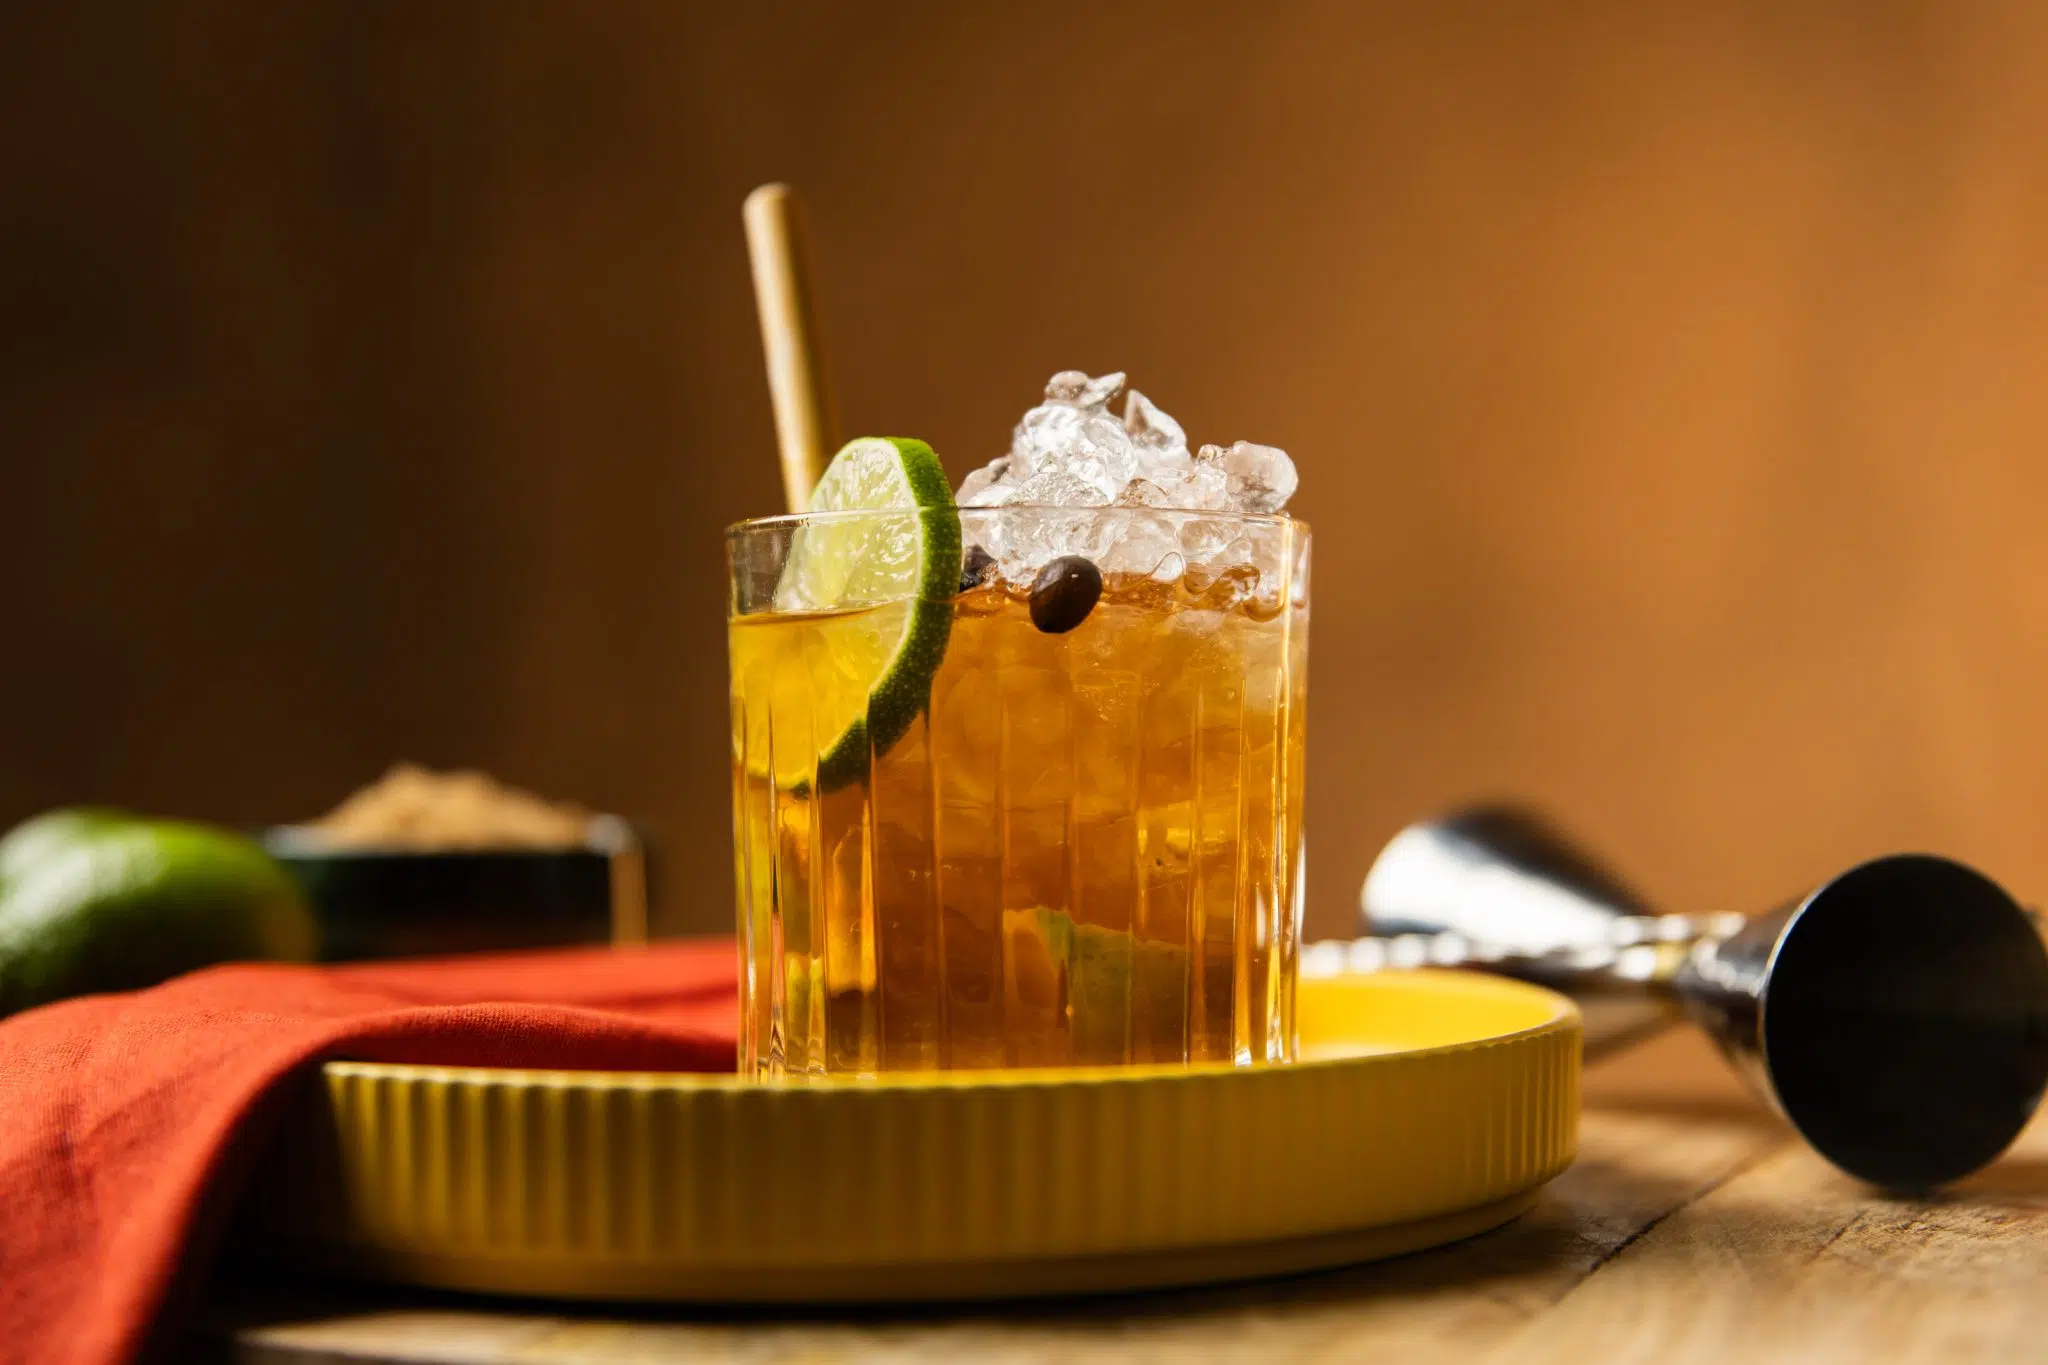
(791, 520)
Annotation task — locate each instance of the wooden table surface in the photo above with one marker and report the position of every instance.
(1694, 1227)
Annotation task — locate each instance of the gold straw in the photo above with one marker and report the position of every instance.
(804, 421)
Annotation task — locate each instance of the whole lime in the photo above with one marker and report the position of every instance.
(108, 904)
(33, 840)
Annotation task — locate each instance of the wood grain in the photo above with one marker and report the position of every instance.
(1692, 1229)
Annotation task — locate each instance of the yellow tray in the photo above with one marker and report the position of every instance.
(1428, 1106)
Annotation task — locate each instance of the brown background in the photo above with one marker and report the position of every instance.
(1665, 380)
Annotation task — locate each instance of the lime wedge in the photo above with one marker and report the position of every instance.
(836, 674)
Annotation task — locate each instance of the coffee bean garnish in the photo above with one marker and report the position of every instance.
(974, 572)
(1063, 594)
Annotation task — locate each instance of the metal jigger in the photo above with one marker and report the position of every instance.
(1897, 1016)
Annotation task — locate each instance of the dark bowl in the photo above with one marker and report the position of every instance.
(397, 902)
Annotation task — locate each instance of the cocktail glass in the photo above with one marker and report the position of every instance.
(1054, 847)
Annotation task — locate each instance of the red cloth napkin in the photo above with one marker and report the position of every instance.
(127, 1121)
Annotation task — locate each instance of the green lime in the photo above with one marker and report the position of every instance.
(837, 673)
(123, 904)
(29, 842)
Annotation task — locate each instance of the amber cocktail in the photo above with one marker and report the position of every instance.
(1044, 809)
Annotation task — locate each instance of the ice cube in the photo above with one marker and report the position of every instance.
(1034, 536)
(1204, 540)
(1066, 387)
(1140, 542)
(1271, 546)
(1088, 470)
(1197, 487)
(985, 486)
(1143, 493)
(1238, 553)
(1098, 391)
(1070, 455)
(1045, 438)
(1057, 488)
(1071, 433)
(1260, 478)
(1152, 432)
(1224, 573)
(1108, 443)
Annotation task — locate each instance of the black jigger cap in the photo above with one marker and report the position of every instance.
(1898, 1016)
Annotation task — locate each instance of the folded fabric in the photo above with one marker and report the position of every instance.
(127, 1122)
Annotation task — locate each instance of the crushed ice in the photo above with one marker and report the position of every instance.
(1071, 454)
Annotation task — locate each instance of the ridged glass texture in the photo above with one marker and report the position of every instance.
(1084, 849)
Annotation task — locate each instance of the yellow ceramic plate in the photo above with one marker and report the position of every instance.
(1428, 1106)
